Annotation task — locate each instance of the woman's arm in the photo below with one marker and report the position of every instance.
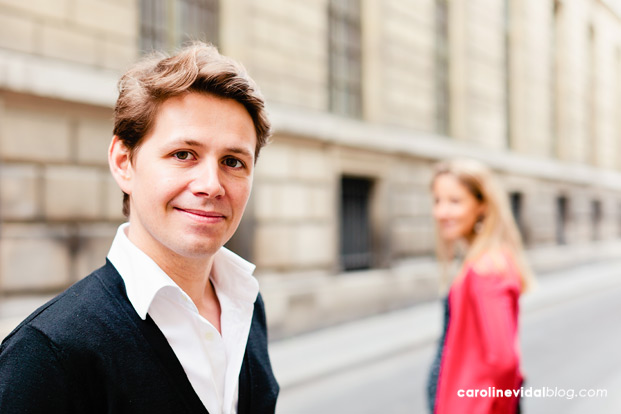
(495, 298)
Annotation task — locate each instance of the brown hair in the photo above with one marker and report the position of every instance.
(198, 67)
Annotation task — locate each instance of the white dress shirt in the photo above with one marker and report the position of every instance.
(211, 361)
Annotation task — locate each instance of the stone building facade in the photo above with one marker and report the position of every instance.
(364, 96)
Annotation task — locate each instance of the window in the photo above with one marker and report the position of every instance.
(167, 24)
(345, 57)
(591, 143)
(619, 218)
(442, 68)
(596, 219)
(561, 219)
(555, 87)
(618, 104)
(515, 198)
(153, 27)
(355, 223)
(508, 73)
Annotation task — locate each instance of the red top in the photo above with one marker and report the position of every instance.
(481, 349)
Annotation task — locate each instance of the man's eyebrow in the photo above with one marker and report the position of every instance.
(241, 151)
(190, 142)
(194, 143)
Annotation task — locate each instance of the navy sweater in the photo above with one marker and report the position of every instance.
(87, 351)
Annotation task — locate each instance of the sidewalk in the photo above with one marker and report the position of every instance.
(309, 356)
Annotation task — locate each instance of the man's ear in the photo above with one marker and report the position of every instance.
(120, 164)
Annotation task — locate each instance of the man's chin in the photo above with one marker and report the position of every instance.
(198, 250)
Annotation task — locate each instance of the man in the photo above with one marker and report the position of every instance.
(173, 322)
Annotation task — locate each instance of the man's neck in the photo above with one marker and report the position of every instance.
(192, 275)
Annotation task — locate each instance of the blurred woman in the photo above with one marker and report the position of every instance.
(479, 350)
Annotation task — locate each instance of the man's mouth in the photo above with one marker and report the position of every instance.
(202, 215)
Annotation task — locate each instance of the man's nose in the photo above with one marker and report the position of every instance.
(207, 181)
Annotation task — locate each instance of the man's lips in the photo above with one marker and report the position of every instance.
(202, 215)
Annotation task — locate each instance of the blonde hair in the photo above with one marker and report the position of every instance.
(497, 230)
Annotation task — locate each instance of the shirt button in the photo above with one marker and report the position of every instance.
(209, 336)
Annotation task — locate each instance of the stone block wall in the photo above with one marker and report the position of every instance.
(89, 32)
(58, 205)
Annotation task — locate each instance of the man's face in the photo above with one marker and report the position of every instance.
(191, 177)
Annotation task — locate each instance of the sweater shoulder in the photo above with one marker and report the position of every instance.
(84, 308)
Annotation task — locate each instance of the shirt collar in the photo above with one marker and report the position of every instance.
(144, 279)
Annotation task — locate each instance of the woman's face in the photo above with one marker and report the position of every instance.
(455, 209)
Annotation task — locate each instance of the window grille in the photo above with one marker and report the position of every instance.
(596, 219)
(442, 68)
(345, 57)
(562, 210)
(169, 24)
(356, 250)
(515, 198)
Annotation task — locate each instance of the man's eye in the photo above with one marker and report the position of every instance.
(233, 163)
(182, 155)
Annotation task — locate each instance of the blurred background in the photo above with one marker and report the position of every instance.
(364, 97)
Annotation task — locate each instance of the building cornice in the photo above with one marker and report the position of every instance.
(329, 128)
(58, 79)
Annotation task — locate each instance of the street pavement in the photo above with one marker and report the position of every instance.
(380, 364)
